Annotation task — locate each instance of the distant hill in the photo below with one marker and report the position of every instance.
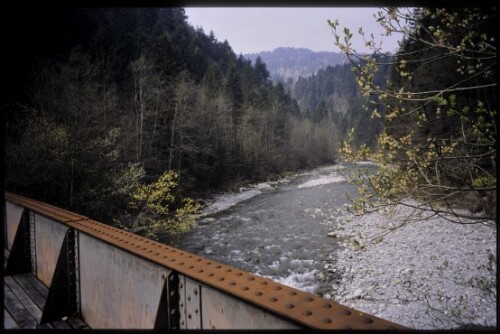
(284, 63)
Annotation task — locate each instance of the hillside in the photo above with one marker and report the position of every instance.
(102, 100)
(291, 63)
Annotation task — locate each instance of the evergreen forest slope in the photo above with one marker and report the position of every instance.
(102, 100)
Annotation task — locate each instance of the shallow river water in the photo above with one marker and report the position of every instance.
(278, 229)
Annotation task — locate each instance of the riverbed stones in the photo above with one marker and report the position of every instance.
(418, 265)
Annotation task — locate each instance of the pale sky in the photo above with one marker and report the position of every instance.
(250, 30)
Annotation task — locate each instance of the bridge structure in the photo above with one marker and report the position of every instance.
(64, 270)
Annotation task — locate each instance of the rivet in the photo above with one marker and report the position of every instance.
(244, 288)
(239, 274)
(195, 291)
(209, 263)
(258, 293)
(251, 278)
(196, 311)
(181, 264)
(326, 305)
(289, 305)
(326, 320)
(229, 270)
(200, 271)
(345, 312)
(277, 288)
(218, 267)
(210, 275)
(189, 316)
(307, 313)
(232, 283)
(221, 279)
(308, 299)
(263, 283)
(273, 299)
(292, 293)
(367, 320)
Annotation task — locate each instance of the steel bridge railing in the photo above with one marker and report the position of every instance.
(114, 279)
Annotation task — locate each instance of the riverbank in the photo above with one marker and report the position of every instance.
(242, 191)
(236, 187)
(428, 274)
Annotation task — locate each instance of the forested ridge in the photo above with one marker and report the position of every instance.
(287, 64)
(102, 101)
(334, 92)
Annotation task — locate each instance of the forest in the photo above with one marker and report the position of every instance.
(112, 112)
(106, 101)
(288, 63)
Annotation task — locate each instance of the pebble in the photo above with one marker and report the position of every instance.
(414, 255)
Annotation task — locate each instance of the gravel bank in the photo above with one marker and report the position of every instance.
(428, 274)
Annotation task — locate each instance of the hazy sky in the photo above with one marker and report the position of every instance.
(250, 30)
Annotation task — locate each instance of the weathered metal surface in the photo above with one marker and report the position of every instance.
(167, 316)
(172, 301)
(118, 289)
(32, 241)
(74, 269)
(49, 236)
(61, 299)
(13, 213)
(301, 308)
(19, 256)
(222, 311)
(45, 209)
(193, 304)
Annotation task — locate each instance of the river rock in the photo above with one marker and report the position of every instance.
(206, 221)
(357, 294)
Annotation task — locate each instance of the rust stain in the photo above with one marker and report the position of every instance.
(302, 307)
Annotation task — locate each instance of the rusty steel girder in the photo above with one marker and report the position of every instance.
(303, 308)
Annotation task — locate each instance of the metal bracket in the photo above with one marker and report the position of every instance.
(168, 309)
(63, 298)
(32, 241)
(20, 260)
(193, 304)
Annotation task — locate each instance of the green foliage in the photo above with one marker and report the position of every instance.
(439, 111)
(159, 210)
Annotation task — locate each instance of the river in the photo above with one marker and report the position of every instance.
(277, 229)
(292, 231)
